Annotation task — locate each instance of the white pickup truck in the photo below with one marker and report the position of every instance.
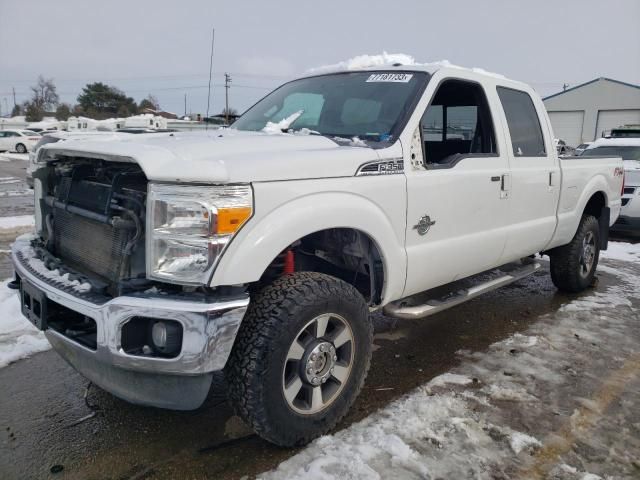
(261, 249)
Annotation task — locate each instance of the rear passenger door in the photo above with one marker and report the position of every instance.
(534, 184)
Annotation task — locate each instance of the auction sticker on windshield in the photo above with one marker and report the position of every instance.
(390, 77)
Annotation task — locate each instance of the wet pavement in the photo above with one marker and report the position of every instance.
(16, 198)
(51, 426)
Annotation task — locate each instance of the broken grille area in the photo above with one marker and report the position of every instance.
(87, 245)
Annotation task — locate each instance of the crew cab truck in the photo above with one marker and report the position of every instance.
(261, 249)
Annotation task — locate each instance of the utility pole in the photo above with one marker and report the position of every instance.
(565, 86)
(14, 96)
(227, 86)
(213, 34)
(185, 104)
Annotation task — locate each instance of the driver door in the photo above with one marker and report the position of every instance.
(458, 206)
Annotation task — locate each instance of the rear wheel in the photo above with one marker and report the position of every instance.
(573, 266)
(20, 148)
(300, 358)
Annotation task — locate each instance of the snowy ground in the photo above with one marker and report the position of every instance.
(462, 424)
(7, 156)
(18, 338)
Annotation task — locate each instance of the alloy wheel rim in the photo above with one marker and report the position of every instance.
(588, 254)
(318, 364)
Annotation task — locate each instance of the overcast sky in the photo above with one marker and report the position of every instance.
(163, 47)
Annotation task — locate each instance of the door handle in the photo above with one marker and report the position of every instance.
(505, 185)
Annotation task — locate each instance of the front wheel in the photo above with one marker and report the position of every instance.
(300, 358)
(20, 148)
(573, 266)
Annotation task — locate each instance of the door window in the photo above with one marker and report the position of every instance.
(457, 122)
(523, 123)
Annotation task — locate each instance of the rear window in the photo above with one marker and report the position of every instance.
(626, 152)
(523, 123)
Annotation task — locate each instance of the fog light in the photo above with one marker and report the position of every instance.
(166, 337)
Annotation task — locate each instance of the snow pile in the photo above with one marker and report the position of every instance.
(367, 61)
(489, 417)
(55, 275)
(282, 125)
(16, 222)
(387, 60)
(18, 337)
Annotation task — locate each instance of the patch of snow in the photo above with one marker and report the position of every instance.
(518, 441)
(38, 265)
(279, 127)
(449, 378)
(389, 59)
(18, 337)
(622, 251)
(7, 156)
(351, 142)
(366, 61)
(15, 222)
(9, 180)
(16, 193)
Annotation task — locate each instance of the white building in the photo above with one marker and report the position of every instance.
(584, 112)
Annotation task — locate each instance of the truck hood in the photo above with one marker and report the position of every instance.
(225, 156)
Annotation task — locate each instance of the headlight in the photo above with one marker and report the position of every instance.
(188, 228)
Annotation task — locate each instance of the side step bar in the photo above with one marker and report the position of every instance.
(401, 309)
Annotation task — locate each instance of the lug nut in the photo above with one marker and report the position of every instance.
(332, 369)
(315, 380)
(313, 356)
(335, 358)
(309, 370)
(324, 380)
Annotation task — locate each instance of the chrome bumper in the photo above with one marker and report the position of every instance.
(209, 330)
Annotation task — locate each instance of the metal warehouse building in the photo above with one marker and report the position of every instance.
(582, 113)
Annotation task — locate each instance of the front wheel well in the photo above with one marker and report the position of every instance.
(345, 253)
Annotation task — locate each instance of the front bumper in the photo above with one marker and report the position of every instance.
(182, 383)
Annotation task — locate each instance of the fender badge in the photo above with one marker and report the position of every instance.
(424, 225)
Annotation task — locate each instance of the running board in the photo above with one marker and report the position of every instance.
(401, 309)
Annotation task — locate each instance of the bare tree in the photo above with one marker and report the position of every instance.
(45, 96)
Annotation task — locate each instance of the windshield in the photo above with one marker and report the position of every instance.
(626, 152)
(371, 106)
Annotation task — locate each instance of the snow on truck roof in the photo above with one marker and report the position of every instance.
(401, 61)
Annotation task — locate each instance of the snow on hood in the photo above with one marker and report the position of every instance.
(227, 155)
(364, 62)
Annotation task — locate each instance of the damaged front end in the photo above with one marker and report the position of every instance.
(92, 218)
(82, 279)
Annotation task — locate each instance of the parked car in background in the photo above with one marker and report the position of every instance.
(21, 141)
(629, 149)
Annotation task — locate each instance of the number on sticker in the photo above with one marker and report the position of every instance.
(390, 77)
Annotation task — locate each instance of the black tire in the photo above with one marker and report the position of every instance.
(257, 367)
(571, 270)
(20, 148)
